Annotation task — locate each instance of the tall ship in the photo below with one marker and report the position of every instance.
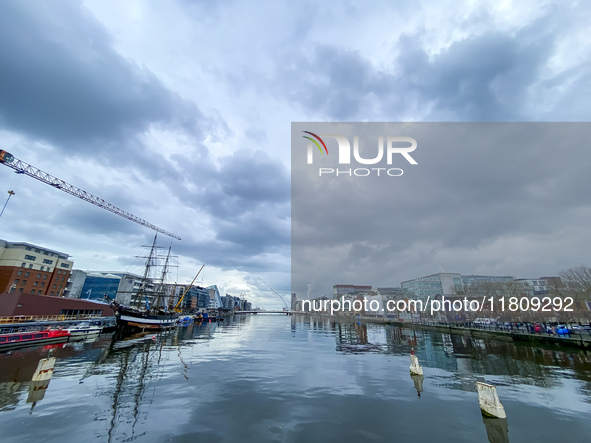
(149, 305)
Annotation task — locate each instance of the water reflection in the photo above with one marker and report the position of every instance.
(40, 380)
(463, 355)
(497, 429)
(25, 369)
(418, 382)
(257, 378)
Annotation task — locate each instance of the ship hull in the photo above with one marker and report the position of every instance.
(138, 320)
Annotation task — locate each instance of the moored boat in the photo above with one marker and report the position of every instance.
(154, 313)
(23, 339)
(84, 329)
(133, 318)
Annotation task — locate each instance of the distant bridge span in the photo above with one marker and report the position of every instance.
(265, 312)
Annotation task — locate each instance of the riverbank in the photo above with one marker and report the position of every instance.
(579, 341)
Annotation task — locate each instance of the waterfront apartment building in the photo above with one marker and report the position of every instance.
(339, 290)
(468, 280)
(31, 269)
(215, 300)
(541, 285)
(75, 283)
(447, 284)
(431, 285)
(231, 303)
(195, 298)
(395, 292)
(120, 286)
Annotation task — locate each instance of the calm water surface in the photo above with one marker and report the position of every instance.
(262, 378)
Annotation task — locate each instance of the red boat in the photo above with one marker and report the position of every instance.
(22, 339)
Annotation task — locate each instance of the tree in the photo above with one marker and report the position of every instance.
(576, 283)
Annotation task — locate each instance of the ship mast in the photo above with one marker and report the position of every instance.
(142, 290)
(160, 292)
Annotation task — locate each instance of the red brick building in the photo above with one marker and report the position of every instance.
(27, 268)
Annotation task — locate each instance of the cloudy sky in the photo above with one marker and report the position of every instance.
(483, 198)
(180, 112)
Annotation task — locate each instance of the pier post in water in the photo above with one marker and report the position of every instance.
(488, 398)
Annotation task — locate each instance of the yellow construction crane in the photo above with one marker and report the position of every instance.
(176, 308)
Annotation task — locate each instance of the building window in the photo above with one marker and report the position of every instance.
(45, 253)
(28, 248)
(45, 277)
(19, 273)
(38, 275)
(24, 265)
(35, 284)
(62, 279)
(42, 284)
(31, 266)
(20, 289)
(54, 286)
(30, 257)
(51, 293)
(47, 261)
(16, 281)
(24, 282)
(65, 265)
(60, 286)
(26, 274)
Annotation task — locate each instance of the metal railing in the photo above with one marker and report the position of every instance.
(33, 318)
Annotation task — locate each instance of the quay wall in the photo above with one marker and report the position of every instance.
(575, 341)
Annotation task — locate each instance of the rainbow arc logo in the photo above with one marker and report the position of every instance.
(315, 142)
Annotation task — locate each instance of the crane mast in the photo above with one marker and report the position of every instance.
(21, 167)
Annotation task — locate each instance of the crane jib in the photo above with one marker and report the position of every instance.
(24, 168)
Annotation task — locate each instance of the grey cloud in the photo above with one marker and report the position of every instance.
(495, 76)
(241, 183)
(62, 81)
(247, 197)
(474, 185)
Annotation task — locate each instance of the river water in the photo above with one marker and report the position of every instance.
(272, 378)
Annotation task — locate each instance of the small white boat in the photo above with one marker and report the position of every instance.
(84, 329)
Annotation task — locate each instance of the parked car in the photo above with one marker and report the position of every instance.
(577, 329)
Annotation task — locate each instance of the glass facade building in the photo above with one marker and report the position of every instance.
(431, 285)
(97, 286)
(446, 284)
(116, 285)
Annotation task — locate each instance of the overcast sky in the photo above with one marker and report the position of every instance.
(483, 198)
(180, 111)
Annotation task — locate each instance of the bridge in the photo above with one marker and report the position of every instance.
(265, 312)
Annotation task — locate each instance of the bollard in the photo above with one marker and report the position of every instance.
(488, 399)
